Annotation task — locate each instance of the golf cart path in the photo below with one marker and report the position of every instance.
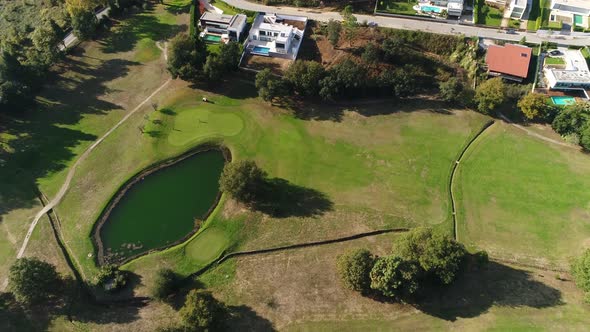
(532, 133)
(66, 185)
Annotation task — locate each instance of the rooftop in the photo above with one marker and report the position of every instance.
(511, 59)
(230, 20)
(576, 68)
(574, 6)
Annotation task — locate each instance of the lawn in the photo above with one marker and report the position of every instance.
(523, 198)
(396, 6)
(288, 297)
(89, 93)
(539, 15)
(490, 16)
(398, 161)
(554, 61)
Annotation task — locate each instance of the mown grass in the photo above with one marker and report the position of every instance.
(397, 6)
(88, 93)
(292, 298)
(489, 16)
(401, 172)
(523, 198)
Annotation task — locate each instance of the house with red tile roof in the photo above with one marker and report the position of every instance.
(510, 61)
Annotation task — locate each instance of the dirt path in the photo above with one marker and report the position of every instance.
(532, 133)
(66, 185)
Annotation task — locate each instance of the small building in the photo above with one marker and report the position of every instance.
(276, 35)
(510, 62)
(572, 12)
(217, 27)
(518, 8)
(573, 75)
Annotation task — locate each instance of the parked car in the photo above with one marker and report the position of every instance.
(372, 24)
(555, 52)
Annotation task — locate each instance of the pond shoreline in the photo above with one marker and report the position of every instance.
(99, 257)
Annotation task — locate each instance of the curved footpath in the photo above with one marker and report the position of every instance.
(415, 24)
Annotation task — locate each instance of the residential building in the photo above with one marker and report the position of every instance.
(518, 8)
(573, 75)
(276, 35)
(228, 27)
(510, 62)
(454, 7)
(572, 12)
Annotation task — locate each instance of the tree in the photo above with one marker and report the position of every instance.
(489, 95)
(269, 86)
(32, 280)
(13, 90)
(187, 57)
(305, 77)
(585, 137)
(437, 254)
(354, 268)
(581, 271)
(213, 68)
(84, 24)
(372, 53)
(345, 78)
(201, 311)
(450, 90)
(229, 56)
(571, 119)
(399, 81)
(395, 277)
(165, 283)
(45, 39)
(350, 24)
(534, 106)
(334, 28)
(242, 180)
(394, 50)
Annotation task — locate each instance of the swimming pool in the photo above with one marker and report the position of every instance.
(563, 100)
(430, 9)
(212, 38)
(260, 50)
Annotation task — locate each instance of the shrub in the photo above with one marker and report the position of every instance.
(242, 180)
(581, 272)
(334, 28)
(32, 280)
(111, 279)
(439, 255)
(395, 277)
(354, 268)
(165, 283)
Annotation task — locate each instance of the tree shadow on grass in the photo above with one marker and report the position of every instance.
(475, 292)
(133, 27)
(281, 199)
(243, 318)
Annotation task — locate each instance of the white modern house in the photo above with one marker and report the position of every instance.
(574, 75)
(518, 8)
(221, 27)
(453, 7)
(276, 35)
(573, 12)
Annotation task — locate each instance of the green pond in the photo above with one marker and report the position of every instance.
(162, 207)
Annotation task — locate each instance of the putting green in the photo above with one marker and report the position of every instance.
(195, 124)
(207, 245)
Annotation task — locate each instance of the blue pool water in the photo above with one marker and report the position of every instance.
(261, 50)
(563, 100)
(430, 9)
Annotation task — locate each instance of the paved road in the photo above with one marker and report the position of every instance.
(414, 24)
